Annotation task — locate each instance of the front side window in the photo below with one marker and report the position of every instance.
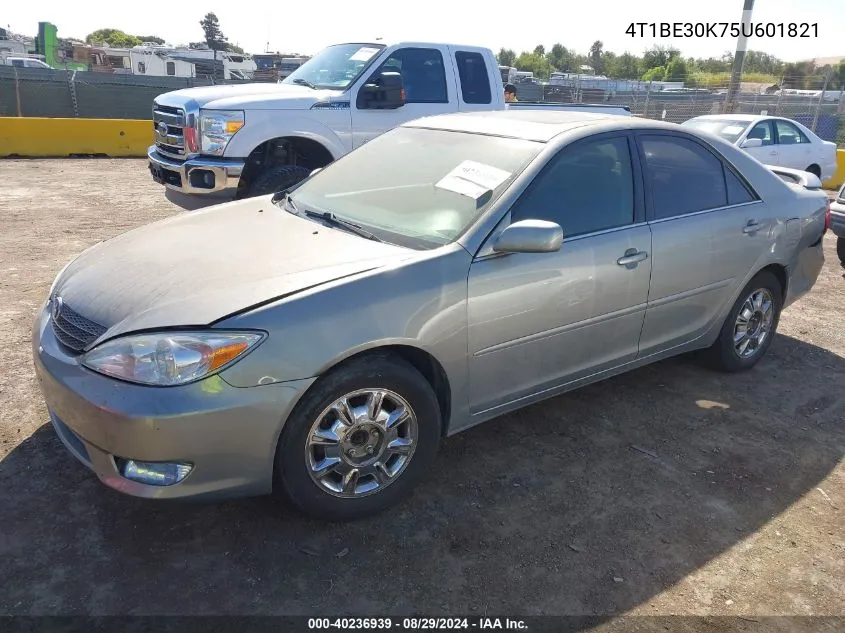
(416, 187)
(682, 176)
(586, 188)
(423, 75)
(762, 131)
(336, 67)
(171, 68)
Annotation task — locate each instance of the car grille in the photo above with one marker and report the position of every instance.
(169, 130)
(72, 329)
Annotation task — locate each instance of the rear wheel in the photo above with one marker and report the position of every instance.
(276, 179)
(815, 170)
(840, 249)
(750, 326)
(359, 440)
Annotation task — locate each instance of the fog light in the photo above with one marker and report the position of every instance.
(155, 473)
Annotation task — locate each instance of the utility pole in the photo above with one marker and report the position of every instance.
(739, 57)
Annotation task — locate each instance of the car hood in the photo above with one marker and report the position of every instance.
(197, 267)
(253, 96)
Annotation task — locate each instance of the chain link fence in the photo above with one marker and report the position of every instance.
(33, 92)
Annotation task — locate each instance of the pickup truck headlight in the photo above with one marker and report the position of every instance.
(217, 127)
(166, 359)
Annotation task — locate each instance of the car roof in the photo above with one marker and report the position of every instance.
(735, 117)
(531, 125)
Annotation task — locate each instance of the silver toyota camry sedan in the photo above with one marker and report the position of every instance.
(320, 342)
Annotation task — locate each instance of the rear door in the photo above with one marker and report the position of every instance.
(474, 80)
(708, 227)
(429, 90)
(794, 148)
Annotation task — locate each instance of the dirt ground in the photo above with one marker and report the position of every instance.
(670, 490)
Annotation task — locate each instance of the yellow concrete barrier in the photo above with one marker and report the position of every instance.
(47, 137)
(839, 175)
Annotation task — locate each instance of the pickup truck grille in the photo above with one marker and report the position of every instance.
(169, 130)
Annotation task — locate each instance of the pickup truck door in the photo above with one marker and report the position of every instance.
(476, 80)
(429, 83)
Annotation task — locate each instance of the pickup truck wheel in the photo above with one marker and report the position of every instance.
(750, 326)
(276, 179)
(359, 440)
(840, 249)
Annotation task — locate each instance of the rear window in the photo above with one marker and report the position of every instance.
(475, 82)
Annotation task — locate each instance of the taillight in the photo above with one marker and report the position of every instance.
(827, 217)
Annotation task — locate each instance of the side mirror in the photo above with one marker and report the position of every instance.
(384, 91)
(751, 142)
(529, 236)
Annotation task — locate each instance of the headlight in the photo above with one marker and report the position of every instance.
(169, 358)
(217, 127)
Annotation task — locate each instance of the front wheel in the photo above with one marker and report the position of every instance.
(750, 326)
(276, 179)
(840, 249)
(359, 440)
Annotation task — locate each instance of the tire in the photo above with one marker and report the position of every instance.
(276, 179)
(815, 170)
(723, 355)
(296, 458)
(840, 249)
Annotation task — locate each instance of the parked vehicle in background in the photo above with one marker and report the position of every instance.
(250, 140)
(773, 141)
(27, 62)
(837, 217)
(322, 341)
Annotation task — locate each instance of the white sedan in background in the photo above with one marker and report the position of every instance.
(772, 141)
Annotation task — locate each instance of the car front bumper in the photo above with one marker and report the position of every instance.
(227, 434)
(199, 175)
(837, 219)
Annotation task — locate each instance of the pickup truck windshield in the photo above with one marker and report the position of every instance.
(415, 187)
(336, 67)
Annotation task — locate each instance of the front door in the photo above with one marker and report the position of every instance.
(793, 146)
(767, 153)
(427, 92)
(537, 321)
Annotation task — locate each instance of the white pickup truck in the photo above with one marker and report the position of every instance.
(253, 139)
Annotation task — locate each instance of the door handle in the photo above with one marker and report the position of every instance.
(632, 257)
(751, 227)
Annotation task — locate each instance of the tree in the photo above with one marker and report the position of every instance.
(532, 62)
(112, 37)
(676, 70)
(151, 38)
(213, 35)
(839, 75)
(506, 57)
(595, 56)
(540, 50)
(657, 73)
(625, 66)
(234, 48)
(559, 57)
(658, 56)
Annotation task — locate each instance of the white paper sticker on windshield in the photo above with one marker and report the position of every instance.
(461, 186)
(479, 173)
(364, 53)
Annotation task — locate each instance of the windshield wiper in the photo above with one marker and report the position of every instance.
(331, 218)
(304, 82)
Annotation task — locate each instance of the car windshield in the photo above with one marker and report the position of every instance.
(728, 129)
(418, 188)
(336, 67)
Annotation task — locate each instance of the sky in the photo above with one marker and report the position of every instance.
(306, 27)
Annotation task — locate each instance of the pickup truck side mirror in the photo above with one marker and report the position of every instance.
(384, 91)
(529, 236)
(751, 142)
